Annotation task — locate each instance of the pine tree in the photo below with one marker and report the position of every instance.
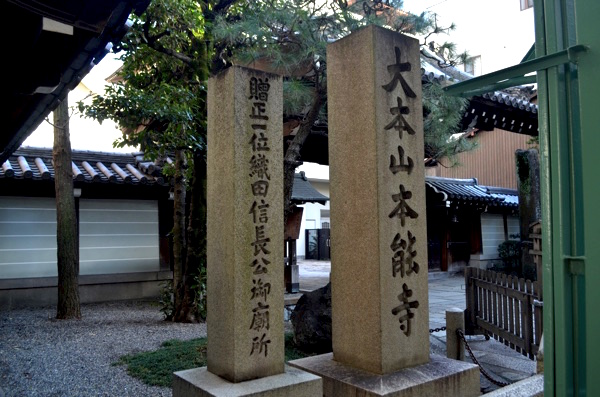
(290, 37)
(176, 45)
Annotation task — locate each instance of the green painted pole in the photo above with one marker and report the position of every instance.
(556, 219)
(545, 189)
(586, 14)
(569, 121)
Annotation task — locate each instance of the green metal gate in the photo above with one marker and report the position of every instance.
(567, 62)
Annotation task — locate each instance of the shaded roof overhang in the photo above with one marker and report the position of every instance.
(501, 110)
(49, 46)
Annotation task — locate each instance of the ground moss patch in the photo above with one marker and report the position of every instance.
(155, 368)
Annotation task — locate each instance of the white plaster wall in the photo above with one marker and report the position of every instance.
(318, 176)
(311, 219)
(492, 234)
(115, 236)
(513, 228)
(118, 236)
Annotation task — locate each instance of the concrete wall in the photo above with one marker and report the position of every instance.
(15, 293)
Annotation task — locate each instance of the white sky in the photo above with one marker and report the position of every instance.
(495, 29)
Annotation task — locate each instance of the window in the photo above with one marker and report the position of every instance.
(525, 4)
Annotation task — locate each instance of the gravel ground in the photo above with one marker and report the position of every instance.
(42, 356)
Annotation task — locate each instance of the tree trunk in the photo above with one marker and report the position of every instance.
(196, 243)
(530, 207)
(195, 247)
(67, 238)
(178, 229)
(291, 159)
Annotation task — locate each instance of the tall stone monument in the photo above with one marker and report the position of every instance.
(380, 315)
(245, 244)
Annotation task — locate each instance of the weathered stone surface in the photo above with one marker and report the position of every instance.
(530, 387)
(379, 238)
(245, 225)
(439, 377)
(199, 382)
(455, 320)
(311, 320)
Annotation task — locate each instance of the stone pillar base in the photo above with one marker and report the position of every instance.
(439, 377)
(198, 382)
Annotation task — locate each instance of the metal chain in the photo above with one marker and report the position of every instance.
(461, 335)
(437, 329)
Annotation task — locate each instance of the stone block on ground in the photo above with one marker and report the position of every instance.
(530, 387)
(437, 378)
(199, 382)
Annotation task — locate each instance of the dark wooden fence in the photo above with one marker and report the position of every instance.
(504, 307)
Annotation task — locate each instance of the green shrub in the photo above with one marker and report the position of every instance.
(510, 253)
(166, 300)
(199, 291)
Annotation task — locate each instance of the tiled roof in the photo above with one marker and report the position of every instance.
(511, 100)
(510, 196)
(88, 166)
(304, 192)
(468, 191)
(430, 74)
(434, 68)
(100, 167)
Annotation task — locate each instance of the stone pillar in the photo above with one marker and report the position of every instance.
(455, 320)
(244, 239)
(245, 225)
(379, 281)
(379, 256)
